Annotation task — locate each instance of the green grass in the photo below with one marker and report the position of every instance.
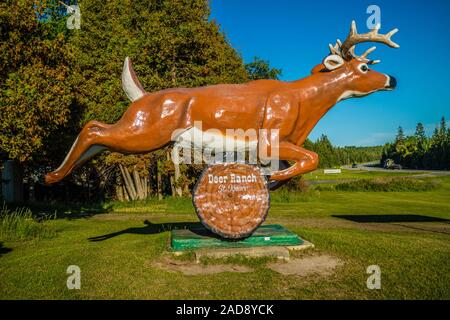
(20, 224)
(384, 185)
(354, 174)
(413, 256)
(238, 260)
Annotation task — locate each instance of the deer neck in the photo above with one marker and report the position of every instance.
(318, 94)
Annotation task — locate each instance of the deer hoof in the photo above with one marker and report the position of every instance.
(53, 177)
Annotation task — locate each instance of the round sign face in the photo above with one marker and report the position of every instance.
(231, 199)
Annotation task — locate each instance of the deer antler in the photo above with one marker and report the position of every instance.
(347, 49)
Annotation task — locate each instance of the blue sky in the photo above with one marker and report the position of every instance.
(294, 35)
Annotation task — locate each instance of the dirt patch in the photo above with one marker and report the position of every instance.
(323, 265)
(192, 268)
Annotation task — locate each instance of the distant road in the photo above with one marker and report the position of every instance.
(375, 166)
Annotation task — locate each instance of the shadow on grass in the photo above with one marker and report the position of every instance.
(389, 218)
(65, 210)
(398, 219)
(153, 228)
(4, 250)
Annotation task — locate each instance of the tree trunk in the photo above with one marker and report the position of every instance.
(249, 204)
(119, 193)
(186, 189)
(128, 183)
(144, 186)
(144, 181)
(171, 179)
(138, 185)
(124, 192)
(159, 184)
(176, 163)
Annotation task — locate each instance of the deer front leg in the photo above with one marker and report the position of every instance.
(305, 161)
(89, 142)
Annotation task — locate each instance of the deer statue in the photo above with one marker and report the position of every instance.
(293, 108)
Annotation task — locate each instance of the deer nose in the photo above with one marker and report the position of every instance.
(392, 82)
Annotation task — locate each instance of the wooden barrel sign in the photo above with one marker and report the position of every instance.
(232, 199)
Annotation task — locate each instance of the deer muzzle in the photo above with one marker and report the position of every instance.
(391, 82)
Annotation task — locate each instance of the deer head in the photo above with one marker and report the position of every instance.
(354, 71)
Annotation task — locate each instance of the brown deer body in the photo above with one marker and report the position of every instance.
(294, 108)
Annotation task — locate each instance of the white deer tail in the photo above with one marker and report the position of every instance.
(130, 82)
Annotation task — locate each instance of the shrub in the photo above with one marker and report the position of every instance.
(19, 224)
(325, 187)
(297, 183)
(388, 185)
(285, 196)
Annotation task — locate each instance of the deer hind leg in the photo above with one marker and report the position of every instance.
(305, 161)
(275, 184)
(92, 140)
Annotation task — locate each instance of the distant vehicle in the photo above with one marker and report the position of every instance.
(390, 164)
(354, 165)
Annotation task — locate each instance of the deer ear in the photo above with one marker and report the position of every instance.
(333, 62)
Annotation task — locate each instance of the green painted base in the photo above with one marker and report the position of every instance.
(199, 237)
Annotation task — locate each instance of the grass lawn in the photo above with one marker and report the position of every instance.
(394, 230)
(354, 174)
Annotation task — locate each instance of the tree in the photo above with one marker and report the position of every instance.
(421, 136)
(331, 156)
(325, 148)
(171, 44)
(419, 151)
(443, 127)
(421, 141)
(260, 69)
(444, 145)
(400, 137)
(35, 98)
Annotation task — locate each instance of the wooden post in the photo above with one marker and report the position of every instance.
(12, 181)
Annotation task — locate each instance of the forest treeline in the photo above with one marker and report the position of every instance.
(53, 80)
(332, 156)
(418, 151)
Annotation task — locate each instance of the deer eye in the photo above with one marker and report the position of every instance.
(364, 68)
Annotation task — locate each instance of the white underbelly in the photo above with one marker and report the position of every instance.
(215, 139)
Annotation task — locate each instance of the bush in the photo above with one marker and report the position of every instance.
(388, 185)
(20, 225)
(297, 183)
(286, 196)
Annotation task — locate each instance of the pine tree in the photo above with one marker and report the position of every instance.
(400, 135)
(421, 144)
(431, 156)
(444, 157)
(420, 133)
(443, 128)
